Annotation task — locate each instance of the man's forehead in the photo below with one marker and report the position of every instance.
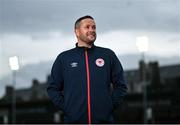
(88, 21)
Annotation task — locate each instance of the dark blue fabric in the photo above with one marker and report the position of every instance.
(68, 85)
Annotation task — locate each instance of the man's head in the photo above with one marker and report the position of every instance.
(85, 30)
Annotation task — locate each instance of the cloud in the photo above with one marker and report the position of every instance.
(39, 49)
(31, 50)
(38, 30)
(47, 15)
(123, 42)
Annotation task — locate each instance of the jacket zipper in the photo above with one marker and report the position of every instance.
(88, 87)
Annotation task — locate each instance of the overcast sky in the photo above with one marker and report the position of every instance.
(38, 30)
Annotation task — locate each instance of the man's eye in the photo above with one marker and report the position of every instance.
(93, 27)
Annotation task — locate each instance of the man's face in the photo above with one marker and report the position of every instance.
(86, 32)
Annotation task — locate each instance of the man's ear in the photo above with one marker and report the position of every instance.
(76, 32)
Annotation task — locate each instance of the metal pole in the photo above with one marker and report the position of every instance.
(14, 99)
(144, 89)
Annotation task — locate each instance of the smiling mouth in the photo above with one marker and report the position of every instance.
(92, 34)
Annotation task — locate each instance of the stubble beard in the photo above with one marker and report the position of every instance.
(90, 40)
(85, 39)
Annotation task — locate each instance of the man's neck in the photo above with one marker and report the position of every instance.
(82, 44)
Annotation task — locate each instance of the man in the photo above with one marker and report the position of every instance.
(80, 82)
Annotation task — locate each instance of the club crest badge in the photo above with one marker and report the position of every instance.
(100, 62)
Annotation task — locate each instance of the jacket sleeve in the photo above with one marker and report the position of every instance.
(55, 84)
(117, 79)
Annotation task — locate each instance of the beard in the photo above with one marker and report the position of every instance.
(88, 38)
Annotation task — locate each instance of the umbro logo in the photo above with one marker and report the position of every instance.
(74, 64)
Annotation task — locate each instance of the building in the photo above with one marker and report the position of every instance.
(162, 94)
(34, 106)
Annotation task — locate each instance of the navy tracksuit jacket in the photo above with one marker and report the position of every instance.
(80, 84)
